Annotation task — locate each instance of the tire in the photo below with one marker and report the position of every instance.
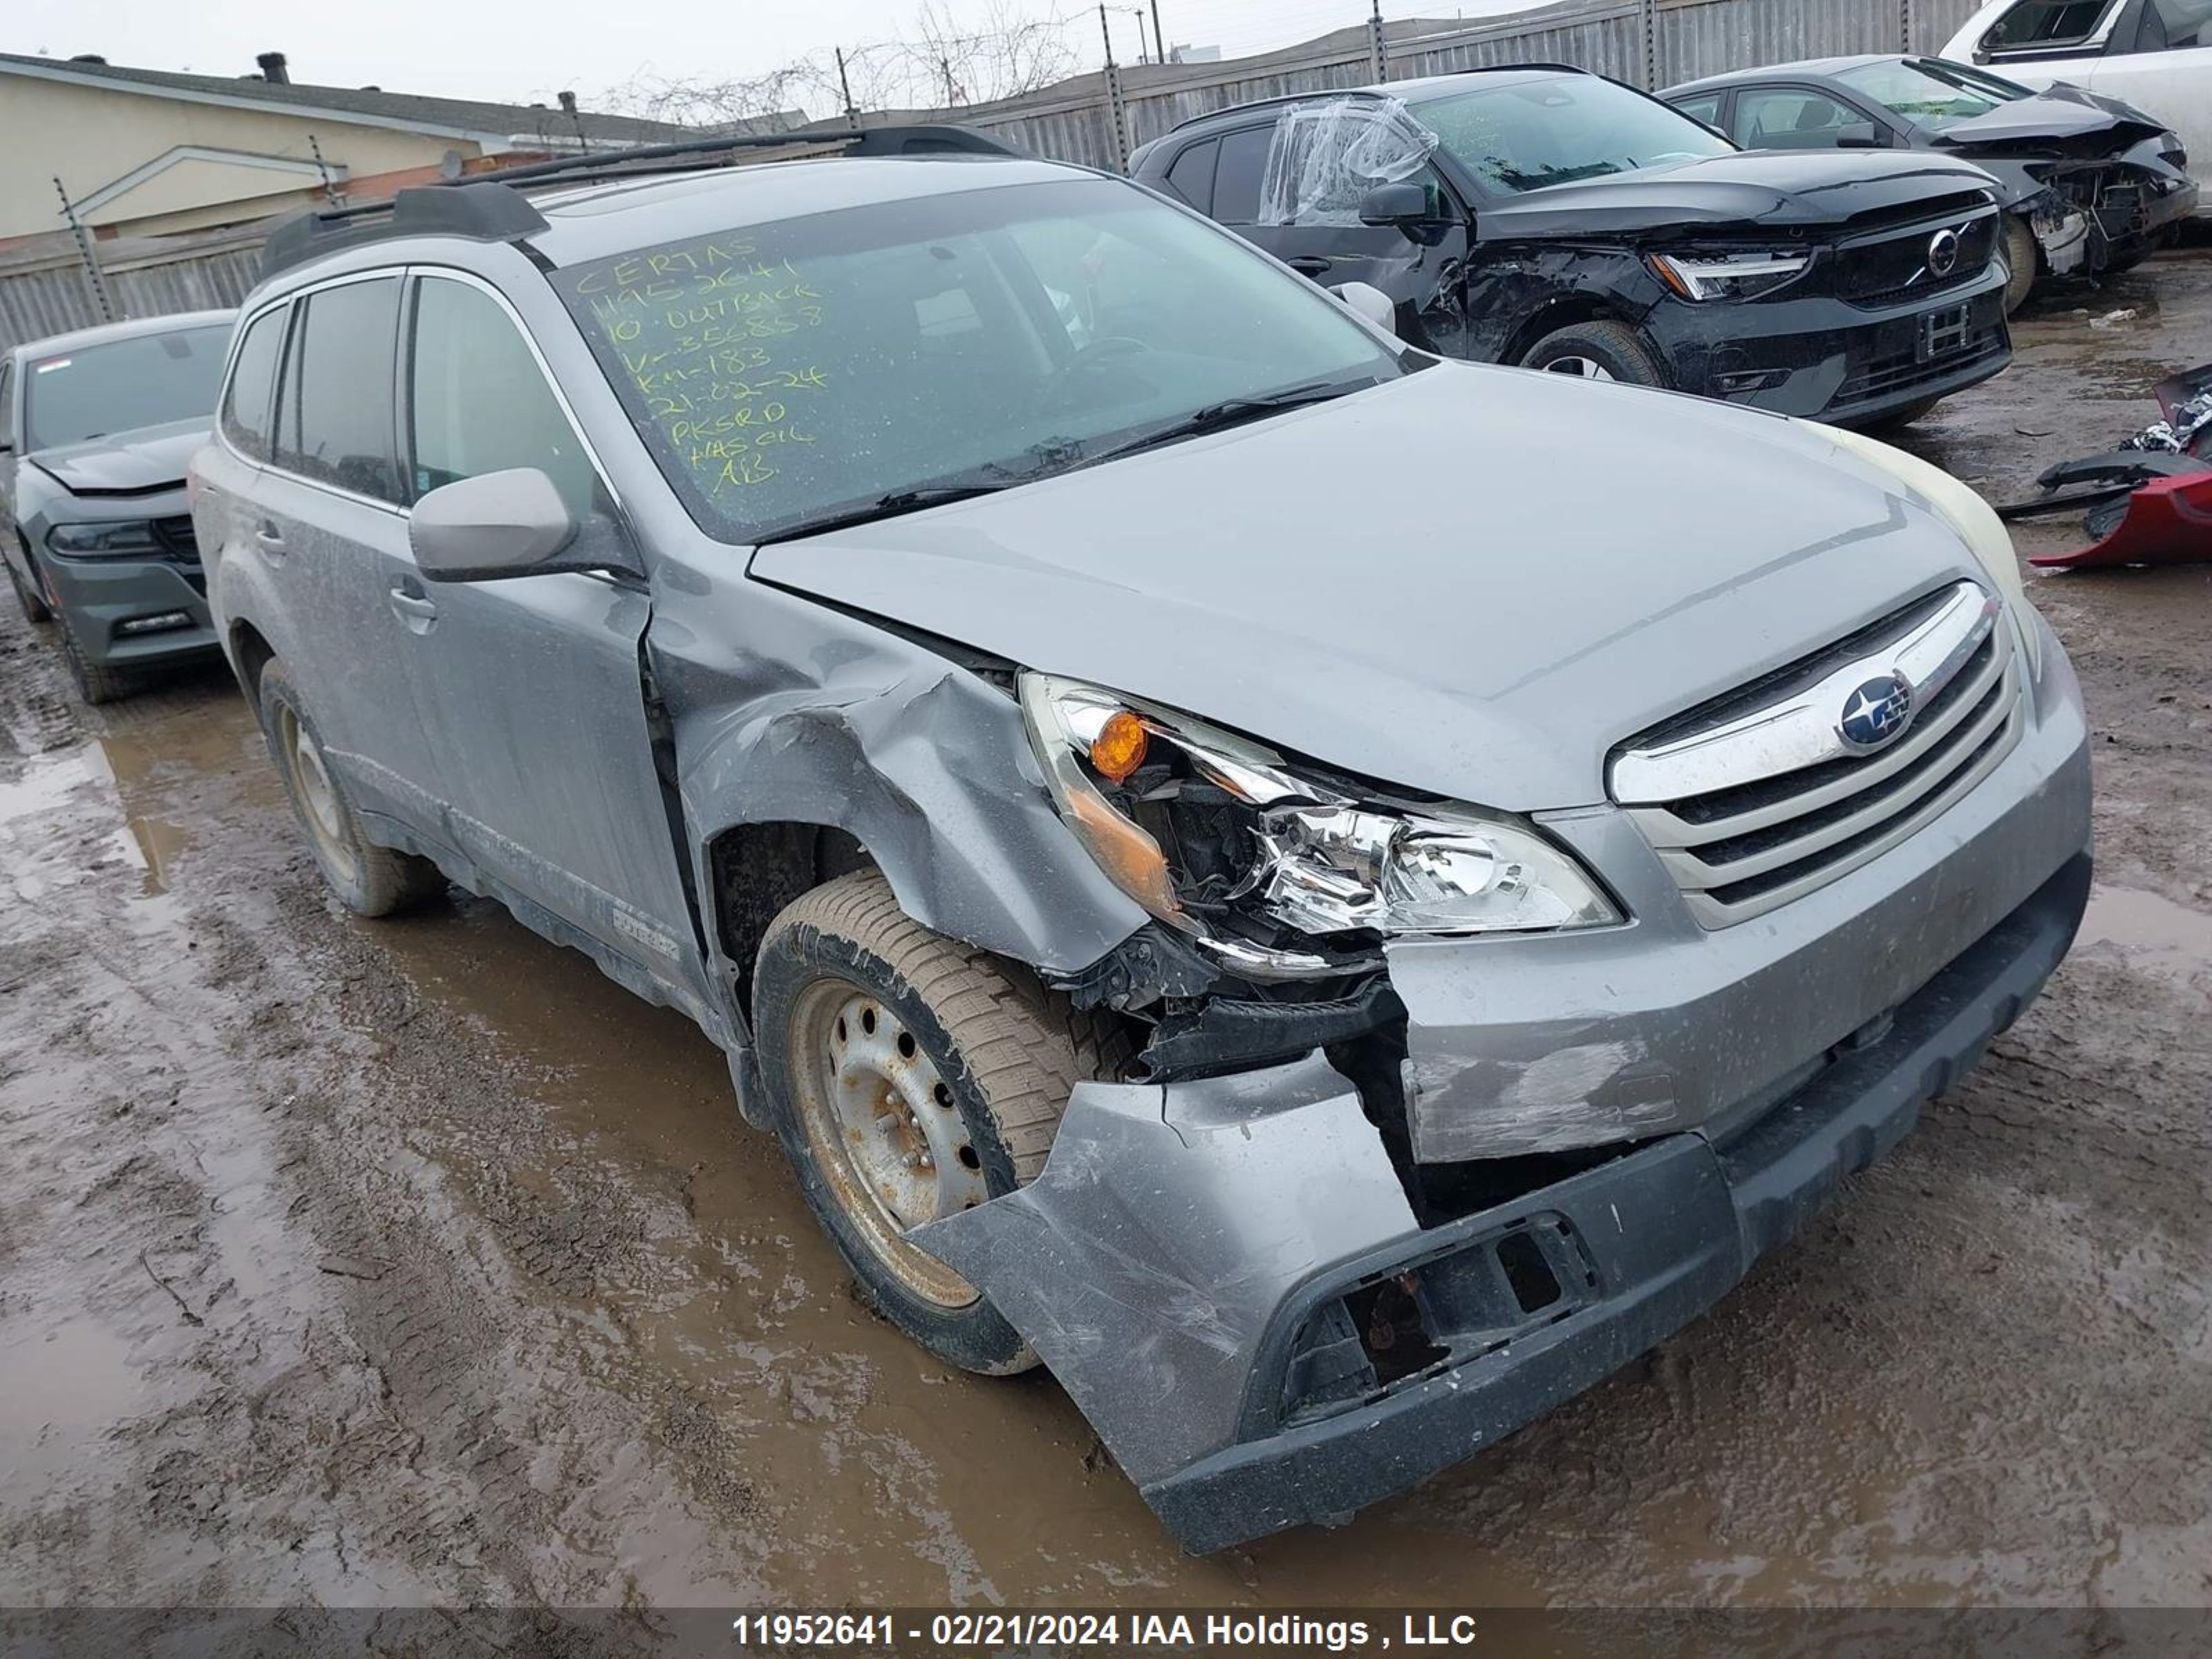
(2023, 262)
(27, 593)
(369, 880)
(96, 683)
(857, 1006)
(1606, 351)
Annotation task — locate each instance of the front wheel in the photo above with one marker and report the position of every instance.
(96, 683)
(2023, 262)
(913, 1078)
(1597, 351)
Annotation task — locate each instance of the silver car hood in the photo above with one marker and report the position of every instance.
(1472, 581)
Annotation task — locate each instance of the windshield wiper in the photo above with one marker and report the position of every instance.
(1231, 411)
(898, 502)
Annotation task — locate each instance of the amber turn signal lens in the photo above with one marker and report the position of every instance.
(1119, 748)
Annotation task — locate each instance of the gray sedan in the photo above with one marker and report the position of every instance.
(95, 430)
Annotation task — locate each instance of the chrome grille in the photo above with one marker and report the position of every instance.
(1758, 799)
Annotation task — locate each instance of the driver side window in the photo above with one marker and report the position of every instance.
(2175, 26)
(477, 401)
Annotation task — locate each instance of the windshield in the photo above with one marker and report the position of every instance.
(787, 374)
(1931, 94)
(125, 385)
(1528, 134)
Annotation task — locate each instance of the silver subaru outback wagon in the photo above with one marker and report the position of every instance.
(1258, 869)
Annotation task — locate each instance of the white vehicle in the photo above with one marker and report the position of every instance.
(2155, 54)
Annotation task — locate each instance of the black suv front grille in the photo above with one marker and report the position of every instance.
(1905, 265)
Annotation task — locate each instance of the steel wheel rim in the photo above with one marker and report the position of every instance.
(318, 795)
(1585, 368)
(886, 1133)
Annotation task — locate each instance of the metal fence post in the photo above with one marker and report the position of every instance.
(1378, 55)
(1116, 111)
(92, 273)
(1650, 22)
(1905, 25)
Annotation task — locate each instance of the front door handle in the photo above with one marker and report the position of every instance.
(415, 609)
(1309, 264)
(270, 538)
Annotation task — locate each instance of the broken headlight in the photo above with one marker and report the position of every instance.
(1728, 275)
(1276, 873)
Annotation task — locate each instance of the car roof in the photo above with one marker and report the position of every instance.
(1808, 68)
(592, 221)
(104, 333)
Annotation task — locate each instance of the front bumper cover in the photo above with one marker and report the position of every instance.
(1170, 1264)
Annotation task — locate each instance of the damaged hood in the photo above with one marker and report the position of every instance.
(1473, 581)
(2062, 119)
(1770, 189)
(125, 463)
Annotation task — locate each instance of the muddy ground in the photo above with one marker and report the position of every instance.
(407, 1261)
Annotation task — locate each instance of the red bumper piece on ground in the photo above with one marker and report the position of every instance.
(2169, 521)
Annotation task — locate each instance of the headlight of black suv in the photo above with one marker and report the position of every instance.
(1728, 275)
(1276, 874)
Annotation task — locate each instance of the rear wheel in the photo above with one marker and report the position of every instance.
(913, 1078)
(27, 593)
(1597, 351)
(2023, 262)
(369, 880)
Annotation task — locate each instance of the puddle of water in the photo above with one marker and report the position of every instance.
(64, 1391)
(2151, 931)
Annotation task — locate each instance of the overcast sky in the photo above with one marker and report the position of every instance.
(512, 52)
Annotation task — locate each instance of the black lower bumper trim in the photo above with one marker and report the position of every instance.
(1672, 1228)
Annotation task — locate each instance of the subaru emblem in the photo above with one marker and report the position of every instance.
(1876, 715)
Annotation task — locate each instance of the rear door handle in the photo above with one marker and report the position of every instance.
(415, 609)
(271, 540)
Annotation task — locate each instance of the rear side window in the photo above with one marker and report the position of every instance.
(1706, 107)
(1191, 175)
(6, 404)
(2046, 23)
(252, 382)
(478, 403)
(1236, 177)
(334, 417)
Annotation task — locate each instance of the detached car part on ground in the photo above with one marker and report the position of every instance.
(2087, 184)
(1327, 1008)
(1557, 219)
(2150, 500)
(95, 430)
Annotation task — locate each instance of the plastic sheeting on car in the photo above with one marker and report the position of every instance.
(1325, 157)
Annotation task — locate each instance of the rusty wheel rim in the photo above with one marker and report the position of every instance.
(886, 1133)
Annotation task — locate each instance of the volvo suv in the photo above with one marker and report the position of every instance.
(1555, 219)
(1329, 984)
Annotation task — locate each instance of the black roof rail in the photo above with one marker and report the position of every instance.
(487, 206)
(1381, 91)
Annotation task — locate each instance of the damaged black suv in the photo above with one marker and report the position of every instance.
(1545, 216)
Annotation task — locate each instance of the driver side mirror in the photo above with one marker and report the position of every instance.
(1402, 207)
(1861, 135)
(506, 524)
